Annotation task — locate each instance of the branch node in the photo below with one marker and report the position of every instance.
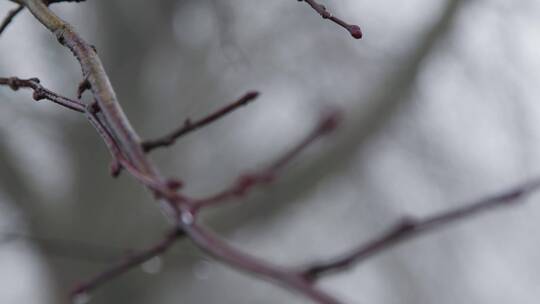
(115, 168)
(38, 95)
(59, 33)
(174, 184)
(406, 224)
(84, 85)
(187, 217)
(93, 107)
(330, 121)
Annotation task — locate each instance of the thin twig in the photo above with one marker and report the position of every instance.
(201, 237)
(40, 92)
(410, 227)
(124, 145)
(353, 29)
(129, 263)
(247, 182)
(9, 17)
(190, 126)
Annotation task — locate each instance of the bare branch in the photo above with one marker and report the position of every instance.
(108, 118)
(219, 249)
(42, 93)
(189, 126)
(353, 29)
(129, 263)
(119, 158)
(9, 17)
(247, 182)
(410, 227)
(104, 94)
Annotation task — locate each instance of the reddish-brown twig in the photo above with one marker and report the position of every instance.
(219, 249)
(190, 126)
(247, 182)
(327, 124)
(410, 227)
(124, 143)
(202, 237)
(40, 92)
(129, 263)
(119, 159)
(353, 29)
(9, 17)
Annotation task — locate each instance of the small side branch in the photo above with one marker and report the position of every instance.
(353, 29)
(7, 20)
(408, 228)
(42, 93)
(190, 126)
(247, 182)
(129, 263)
(214, 246)
(120, 160)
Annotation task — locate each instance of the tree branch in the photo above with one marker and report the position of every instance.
(9, 17)
(40, 92)
(189, 126)
(129, 263)
(124, 138)
(109, 120)
(409, 228)
(247, 182)
(219, 249)
(90, 112)
(353, 29)
(101, 87)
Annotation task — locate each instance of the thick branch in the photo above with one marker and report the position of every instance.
(214, 246)
(190, 126)
(102, 89)
(123, 141)
(42, 93)
(119, 159)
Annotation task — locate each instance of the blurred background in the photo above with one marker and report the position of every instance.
(441, 108)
